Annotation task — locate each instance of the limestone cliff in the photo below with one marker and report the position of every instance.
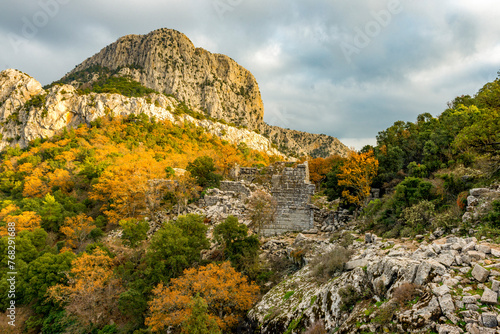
(28, 112)
(167, 61)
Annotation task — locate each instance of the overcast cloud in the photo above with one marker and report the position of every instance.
(344, 68)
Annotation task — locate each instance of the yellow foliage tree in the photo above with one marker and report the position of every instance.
(126, 185)
(34, 185)
(226, 292)
(76, 229)
(92, 291)
(60, 178)
(357, 174)
(27, 220)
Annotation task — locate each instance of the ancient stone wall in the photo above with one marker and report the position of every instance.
(237, 187)
(292, 191)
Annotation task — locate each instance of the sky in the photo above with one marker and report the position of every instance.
(344, 68)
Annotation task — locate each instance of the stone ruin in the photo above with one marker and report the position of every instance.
(289, 186)
(292, 191)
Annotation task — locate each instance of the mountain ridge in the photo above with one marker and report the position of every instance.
(28, 112)
(167, 61)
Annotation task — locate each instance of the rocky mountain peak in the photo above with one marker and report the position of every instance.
(167, 61)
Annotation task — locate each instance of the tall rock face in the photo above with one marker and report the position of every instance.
(167, 61)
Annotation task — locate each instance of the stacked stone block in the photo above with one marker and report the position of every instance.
(292, 191)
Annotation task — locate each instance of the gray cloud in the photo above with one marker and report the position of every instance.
(343, 68)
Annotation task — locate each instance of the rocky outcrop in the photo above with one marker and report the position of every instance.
(479, 203)
(167, 61)
(28, 112)
(303, 143)
(456, 284)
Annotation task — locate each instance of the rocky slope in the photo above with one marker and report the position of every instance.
(27, 112)
(455, 283)
(167, 61)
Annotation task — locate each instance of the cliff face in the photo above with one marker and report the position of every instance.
(28, 112)
(167, 61)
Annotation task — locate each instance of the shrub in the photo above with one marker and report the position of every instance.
(385, 313)
(417, 170)
(405, 293)
(298, 256)
(462, 200)
(494, 216)
(133, 231)
(411, 191)
(324, 266)
(343, 239)
(448, 219)
(418, 216)
(349, 297)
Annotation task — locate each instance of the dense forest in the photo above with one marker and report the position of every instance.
(67, 194)
(425, 169)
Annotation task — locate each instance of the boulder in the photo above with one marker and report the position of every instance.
(480, 274)
(469, 300)
(448, 329)
(446, 259)
(441, 290)
(355, 264)
(483, 248)
(489, 297)
(489, 320)
(476, 256)
(478, 192)
(448, 308)
(495, 285)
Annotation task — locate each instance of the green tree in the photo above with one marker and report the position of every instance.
(242, 250)
(176, 246)
(199, 322)
(134, 231)
(44, 272)
(51, 213)
(202, 169)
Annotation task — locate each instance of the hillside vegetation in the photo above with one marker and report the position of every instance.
(425, 169)
(65, 193)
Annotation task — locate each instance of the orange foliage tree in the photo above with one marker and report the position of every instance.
(61, 178)
(27, 220)
(356, 174)
(34, 185)
(92, 291)
(319, 167)
(125, 186)
(226, 292)
(76, 229)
